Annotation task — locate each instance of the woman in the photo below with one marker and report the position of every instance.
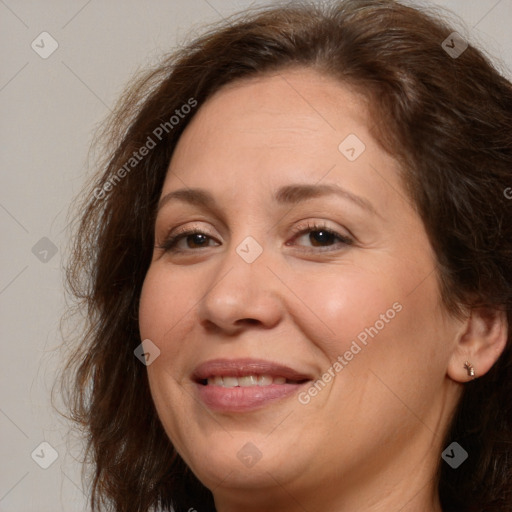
(298, 270)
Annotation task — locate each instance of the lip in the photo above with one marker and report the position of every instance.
(241, 399)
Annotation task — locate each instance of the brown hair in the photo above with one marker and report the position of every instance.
(448, 121)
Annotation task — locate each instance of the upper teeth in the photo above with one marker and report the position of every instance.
(245, 381)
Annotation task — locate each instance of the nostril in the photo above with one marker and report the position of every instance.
(250, 321)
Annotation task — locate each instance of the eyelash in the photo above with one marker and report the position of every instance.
(169, 245)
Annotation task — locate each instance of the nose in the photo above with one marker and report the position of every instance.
(241, 294)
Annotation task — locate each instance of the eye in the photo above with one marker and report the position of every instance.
(193, 237)
(320, 235)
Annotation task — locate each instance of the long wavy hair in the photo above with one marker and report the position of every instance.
(448, 121)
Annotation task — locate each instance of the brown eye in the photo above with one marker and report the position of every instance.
(322, 236)
(194, 239)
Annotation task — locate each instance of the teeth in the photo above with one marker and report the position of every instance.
(245, 381)
(249, 380)
(265, 380)
(230, 382)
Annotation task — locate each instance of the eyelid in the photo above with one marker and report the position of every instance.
(310, 226)
(177, 234)
(185, 229)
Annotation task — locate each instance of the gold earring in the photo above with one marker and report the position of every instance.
(469, 368)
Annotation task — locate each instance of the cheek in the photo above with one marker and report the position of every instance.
(164, 318)
(385, 317)
(163, 304)
(162, 311)
(342, 306)
(149, 305)
(394, 348)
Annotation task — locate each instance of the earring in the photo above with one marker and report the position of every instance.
(469, 368)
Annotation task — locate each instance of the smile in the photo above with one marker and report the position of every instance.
(242, 385)
(247, 381)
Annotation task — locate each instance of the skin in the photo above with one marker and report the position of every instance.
(371, 439)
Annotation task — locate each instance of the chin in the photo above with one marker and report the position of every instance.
(239, 463)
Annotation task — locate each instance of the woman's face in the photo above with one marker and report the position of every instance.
(303, 344)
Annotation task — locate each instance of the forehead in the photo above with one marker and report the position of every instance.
(272, 130)
(279, 109)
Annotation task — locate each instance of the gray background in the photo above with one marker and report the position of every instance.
(49, 110)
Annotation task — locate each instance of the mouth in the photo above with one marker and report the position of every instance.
(246, 381)
(239, 385)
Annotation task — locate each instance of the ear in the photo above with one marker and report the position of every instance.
(480, 343)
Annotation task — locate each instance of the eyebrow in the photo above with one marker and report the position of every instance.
(286, 195)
